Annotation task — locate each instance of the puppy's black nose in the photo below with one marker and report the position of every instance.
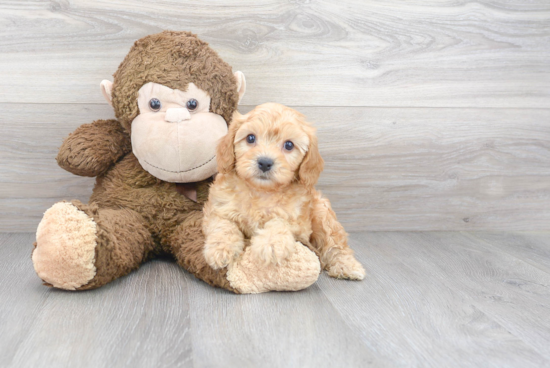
(265, 163)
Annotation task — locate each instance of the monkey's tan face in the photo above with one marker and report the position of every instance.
(174, 136)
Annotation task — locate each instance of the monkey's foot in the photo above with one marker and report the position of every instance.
(298, 271)
(65, 247)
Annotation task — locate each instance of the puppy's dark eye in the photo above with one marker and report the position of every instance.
(289, 146)
(192, 104)
(154, 104)
(251, 138)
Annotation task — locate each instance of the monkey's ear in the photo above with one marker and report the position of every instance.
(241, 84)
(106, 89)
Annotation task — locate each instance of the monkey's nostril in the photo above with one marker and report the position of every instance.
(265, 164)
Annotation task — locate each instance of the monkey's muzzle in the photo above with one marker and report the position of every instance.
(176, 146)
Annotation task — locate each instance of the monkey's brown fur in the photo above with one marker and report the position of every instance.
(138, 216)
(189, 60)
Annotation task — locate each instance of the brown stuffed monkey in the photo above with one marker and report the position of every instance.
(173, 98)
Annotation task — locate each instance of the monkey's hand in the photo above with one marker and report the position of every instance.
(92, 148)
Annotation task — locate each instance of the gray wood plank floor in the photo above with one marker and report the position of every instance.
(431, 299)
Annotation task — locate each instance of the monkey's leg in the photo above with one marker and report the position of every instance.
(80, 247)
(245, 275)
(331, 242)
(187, 244)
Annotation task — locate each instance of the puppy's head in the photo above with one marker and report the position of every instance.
(270, 147)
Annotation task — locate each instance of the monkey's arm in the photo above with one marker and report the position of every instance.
(92, 148)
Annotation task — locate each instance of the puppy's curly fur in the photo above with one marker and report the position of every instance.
(265, 192)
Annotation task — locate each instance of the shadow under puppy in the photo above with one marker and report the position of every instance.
(264, 199)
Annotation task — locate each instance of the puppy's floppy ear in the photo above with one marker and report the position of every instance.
(312, 164)
(225, 152)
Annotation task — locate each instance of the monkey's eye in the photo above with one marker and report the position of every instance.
(192, 104)
(154, 104)
(289, 146)
(251, 138)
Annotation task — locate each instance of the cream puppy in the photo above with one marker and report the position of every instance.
(268, 165)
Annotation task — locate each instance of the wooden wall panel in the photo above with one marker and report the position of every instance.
(448, 53)
(386, 168)
(432, 115)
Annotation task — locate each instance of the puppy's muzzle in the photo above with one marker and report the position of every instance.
(265, 164)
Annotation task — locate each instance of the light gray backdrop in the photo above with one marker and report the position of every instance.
(432, 117)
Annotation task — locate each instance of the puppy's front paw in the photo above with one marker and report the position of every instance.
(346, 267)
(219, 255)
(271, 249)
